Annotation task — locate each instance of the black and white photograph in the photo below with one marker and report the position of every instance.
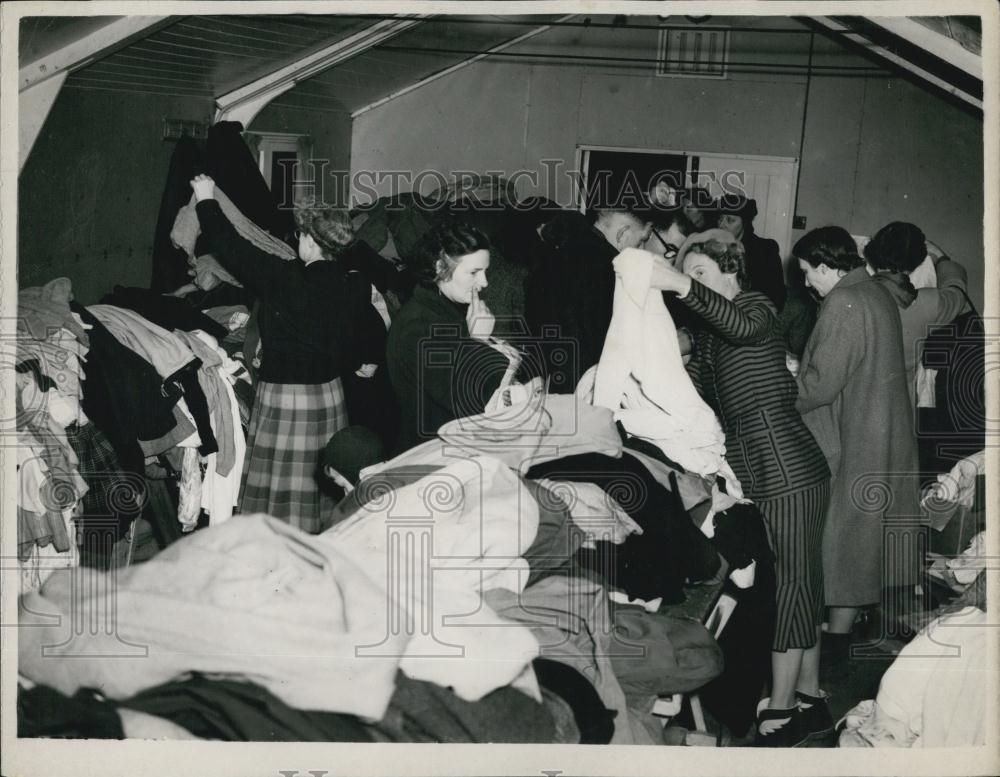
(525, 375)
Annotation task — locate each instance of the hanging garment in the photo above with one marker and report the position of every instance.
(235, 169)
(170, 269)
(187, 229)
(641, 376)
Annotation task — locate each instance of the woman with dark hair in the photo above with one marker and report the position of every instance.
(853, 397)
(306, 313)
(739, 368)
(443, 361)
(893, 254)
(735, 214)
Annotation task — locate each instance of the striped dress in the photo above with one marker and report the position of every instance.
(739, 368)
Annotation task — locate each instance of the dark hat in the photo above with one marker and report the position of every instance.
(351, 450)
(737, 205)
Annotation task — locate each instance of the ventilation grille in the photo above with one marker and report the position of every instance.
(693, 52)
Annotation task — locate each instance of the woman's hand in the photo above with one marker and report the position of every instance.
(204, 187)
(667, 278)
(685, 342)
(479, 318)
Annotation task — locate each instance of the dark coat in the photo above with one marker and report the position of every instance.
(438, 372)
(739, 368)
(569, 297)
(764, 269)
(853, 397)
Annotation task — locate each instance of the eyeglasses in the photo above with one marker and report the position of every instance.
(670, 251)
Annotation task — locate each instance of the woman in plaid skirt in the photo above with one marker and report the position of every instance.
(306, 314)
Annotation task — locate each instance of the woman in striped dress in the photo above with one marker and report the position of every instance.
(307, 318)
(739, 368)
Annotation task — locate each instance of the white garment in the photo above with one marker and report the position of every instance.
(641, 375)
(474, 519)
(220, 493)
(959, 485)
(934, 694)
(593, 511)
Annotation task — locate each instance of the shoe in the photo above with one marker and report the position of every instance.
(816, 720)
(779, 728)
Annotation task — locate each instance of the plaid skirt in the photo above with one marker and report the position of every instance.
(290, 424)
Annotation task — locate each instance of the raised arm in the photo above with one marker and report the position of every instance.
(258, 270)
(748, 322)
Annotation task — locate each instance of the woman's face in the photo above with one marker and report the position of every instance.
(469, 274)
(732, 223)
(705, 270)
(309, 250)
(822, 278)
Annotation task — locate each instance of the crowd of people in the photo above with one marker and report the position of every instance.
(340, 343)
(815, 390)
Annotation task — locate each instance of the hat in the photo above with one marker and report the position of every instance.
(737, 205)
(351, 450)
(718, 235)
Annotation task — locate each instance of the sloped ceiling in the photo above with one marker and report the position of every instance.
(208, 56)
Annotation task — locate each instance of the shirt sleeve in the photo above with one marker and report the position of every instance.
(951, 285)
(751, 321)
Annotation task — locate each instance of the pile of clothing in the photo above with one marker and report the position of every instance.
(112, 394)
(462, 593)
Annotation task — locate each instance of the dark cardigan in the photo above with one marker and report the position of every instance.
(739, 368)
(307, 312)
(438, 372)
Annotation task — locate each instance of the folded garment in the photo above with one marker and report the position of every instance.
(41, 310)
(594, 721)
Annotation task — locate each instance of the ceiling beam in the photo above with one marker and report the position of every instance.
(465, 63)
(884, 53)
(33, 106)
(245, 103)
(91, 47)
(941, 46)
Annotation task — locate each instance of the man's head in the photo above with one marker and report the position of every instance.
(349, 451)
(622, 228)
